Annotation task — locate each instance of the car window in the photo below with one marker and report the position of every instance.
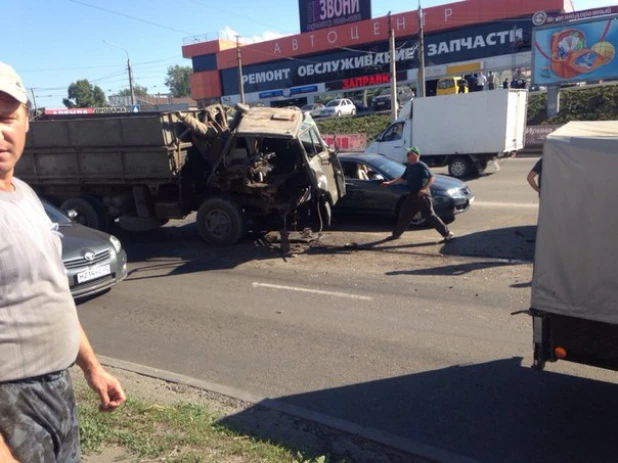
(447, 83)
(394, 132)
(388, 167)
(312, 142)
(332, 103)
(55, 215)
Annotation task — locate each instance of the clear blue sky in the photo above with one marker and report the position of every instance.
(52, 43)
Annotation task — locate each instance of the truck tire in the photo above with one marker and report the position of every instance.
(104, 218)
(460, 167)
(220, 221)
(90, 212)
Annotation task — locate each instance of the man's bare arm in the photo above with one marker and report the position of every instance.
(105, 385)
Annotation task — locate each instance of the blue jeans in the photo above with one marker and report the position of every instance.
(38, 419)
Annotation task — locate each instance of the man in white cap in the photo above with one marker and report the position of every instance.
(40, 335)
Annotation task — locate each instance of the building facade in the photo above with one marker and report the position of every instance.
(460, 38)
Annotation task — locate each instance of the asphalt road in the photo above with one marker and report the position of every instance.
(413, 337)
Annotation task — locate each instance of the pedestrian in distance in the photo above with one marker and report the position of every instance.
(482, 81)
(536, 171)
(419, 179)
(491, 81)
(505, 84)
(40, 334)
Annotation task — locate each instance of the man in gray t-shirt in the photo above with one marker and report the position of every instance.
(40, 335)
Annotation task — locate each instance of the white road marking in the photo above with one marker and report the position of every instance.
(511, 205)
(313, 291)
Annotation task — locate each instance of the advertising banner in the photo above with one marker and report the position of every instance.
(346, 141)
(575, 52)
(536, 135)
(320, 14)
(464, 44)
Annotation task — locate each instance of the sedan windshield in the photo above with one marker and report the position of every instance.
(388, 167)
(56, 215)
(333, 103)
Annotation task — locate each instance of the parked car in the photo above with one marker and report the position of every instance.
(382, 103)
(361, 108)
(339, 107)
(314, 109)
(94, 261)
(365, 172)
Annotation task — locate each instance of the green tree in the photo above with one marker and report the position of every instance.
(82, 94)
(178, 80)
(137, 89)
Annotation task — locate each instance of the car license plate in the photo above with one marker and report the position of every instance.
(93, 273)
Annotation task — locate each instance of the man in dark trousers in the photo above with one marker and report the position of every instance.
(419, 178)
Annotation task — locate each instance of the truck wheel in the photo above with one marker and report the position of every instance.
(104, 218)
(459, 167)
(90, 212)
(220, 221)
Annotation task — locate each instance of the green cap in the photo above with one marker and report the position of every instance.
(413, 149)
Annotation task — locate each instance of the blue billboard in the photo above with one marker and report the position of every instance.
(575, 52)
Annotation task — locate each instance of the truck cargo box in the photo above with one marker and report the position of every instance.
(576, 257)
(477, 122)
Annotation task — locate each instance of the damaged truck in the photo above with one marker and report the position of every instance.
(262, 169)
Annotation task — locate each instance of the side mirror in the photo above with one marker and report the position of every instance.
(72, 213)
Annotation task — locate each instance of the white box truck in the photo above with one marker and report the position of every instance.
(462, 131)
(574, 299)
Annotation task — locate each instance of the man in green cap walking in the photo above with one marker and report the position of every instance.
(419, 178)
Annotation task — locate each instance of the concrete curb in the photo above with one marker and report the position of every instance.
(380, 437)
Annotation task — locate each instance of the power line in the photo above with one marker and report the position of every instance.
(135, 18)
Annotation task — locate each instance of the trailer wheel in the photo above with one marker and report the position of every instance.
(90, 212)
(460, 167)
(220, 221)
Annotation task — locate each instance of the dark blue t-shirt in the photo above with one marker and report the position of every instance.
(538, 168)
(417, 176)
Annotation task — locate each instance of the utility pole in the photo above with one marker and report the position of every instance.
(131, 81)
(393, 72)
(128, 68)
(241, 84)
(421, 54)
(34, 100)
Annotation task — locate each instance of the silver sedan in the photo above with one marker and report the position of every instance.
(94, 261)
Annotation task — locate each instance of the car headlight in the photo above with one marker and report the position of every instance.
(457, 192)
(115, 243)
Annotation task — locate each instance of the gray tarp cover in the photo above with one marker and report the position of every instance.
(576, 257)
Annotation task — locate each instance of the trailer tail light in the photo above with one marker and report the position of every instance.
(560, 352)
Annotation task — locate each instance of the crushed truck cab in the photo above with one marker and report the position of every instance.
(259, 169)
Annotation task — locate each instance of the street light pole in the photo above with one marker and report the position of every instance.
(241, 82)
(393, 68)
(421, 54)
(128, 68)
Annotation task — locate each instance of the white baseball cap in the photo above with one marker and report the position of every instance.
(10, 83)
